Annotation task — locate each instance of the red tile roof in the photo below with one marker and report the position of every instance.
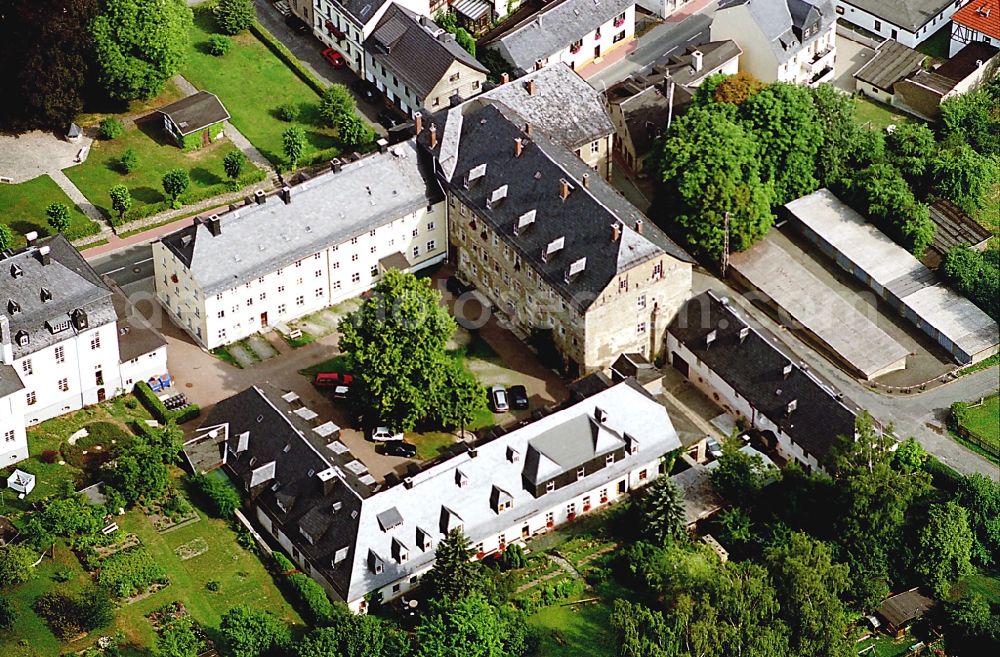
(982, 16)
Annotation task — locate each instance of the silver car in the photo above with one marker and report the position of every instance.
(498, 397)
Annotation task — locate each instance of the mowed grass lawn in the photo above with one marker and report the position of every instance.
(22, 207)
(984, 420)
(867, 110)
(252, 82)
(579, 630)
(157, 154)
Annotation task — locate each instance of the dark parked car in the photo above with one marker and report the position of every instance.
(297, 24)
(456, 287)
(400, 448)
(388, 119)
(367, 91)
(518, 397)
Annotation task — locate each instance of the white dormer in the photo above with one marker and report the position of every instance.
(425, 541)
(460, 479)
(400, 553)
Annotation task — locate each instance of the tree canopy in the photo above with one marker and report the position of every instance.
(945, 547)
(234, 16)
(661, 509)
(454, 574)
(740, 477)
(248, 632)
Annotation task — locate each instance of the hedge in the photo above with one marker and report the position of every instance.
(313, 597)
(224, 498)
(287, 57)
(148, 398)
(130, 572)
(190, 197)
(82, 230)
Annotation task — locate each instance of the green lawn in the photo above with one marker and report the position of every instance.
(984, 420)
(985, 585)
(157, 153)
(578, 630)
(335, 364)
(867, 110)
(241, 576)
(252, 82)
(22, 207)
(431, 444)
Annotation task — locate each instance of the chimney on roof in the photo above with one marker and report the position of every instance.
(638, 226)
(531, 86)
(260, 197)
(504, 78)
(538, 64)
(696, 60)
(383, 145)
(518, 146)
(286, 194)
(564, 188)
(434, 136)
(30, 237)
(616, 231)
(336, 165)
(214, 225)
(710, 338)
(586, 180)
(527, 129)
(744, 334)
(792, 405)
(43, 255)
(786, 371)
(418, 123)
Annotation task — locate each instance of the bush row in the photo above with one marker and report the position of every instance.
(130, 572)
(287, 57)
(224, 498)
(148, 398)
(68, 616)
(82, 230)
(192, 196)
(311, 596)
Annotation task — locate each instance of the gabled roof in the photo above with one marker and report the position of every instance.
(560, 103)
(329, 209)
(481, 138)
(908, 14)
(195, 112)
(981, 16)
(755, 367)
(10, 381)
(782, 22)
(35, 296)
(416, 50)
(362, 11)
(900, 609)
(955, 228)
(892, 62)
(545, 28)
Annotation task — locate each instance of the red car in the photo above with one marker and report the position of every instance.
(335, 58)
(332, 380)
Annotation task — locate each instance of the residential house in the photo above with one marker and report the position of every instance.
(303, 9)
(557, 101)
(641, 105)
(344, 25)
(576, 32)
(908, 21)
(922, 93)
(330, 238)
(892, 62)
(552, 247)
(360, 537)
(745, 372)
(59, 340)
(417, 65)
(196, 120)
(978, 20)
(782, 40)
(901, 610)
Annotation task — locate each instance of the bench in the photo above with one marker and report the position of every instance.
(6, 179)
(82, 153)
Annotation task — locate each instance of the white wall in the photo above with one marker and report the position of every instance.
(351, 47)
(142, 368)
(889, 30)
(13, 441)
(327, 277)
(590, 42)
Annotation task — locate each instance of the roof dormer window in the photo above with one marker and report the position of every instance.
(22, 338)
(13, 307)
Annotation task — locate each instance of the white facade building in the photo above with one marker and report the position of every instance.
(908, 21)
(326, 240)
(345, 25)
(978, 20)
(782, 40)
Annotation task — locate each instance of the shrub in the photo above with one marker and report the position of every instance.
(7, 613)
(224, 498)
(130, 572)
(234, 16)
(313, 597)
(212, 585)
(129, 161)
(219, 45)
(110, 128)
(49, 456)
(284, 564)
(234, 163)
(288, 112)
(156, 408)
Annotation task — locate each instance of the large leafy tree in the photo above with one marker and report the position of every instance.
(974, 118)
(15, 564)
(880, 192)
(396, 342)
(910, 147)
(973, 627)
(661, 511)
(469, 626)
(809, 583)
(976, 275)
(234, 16)
(454, 574)
(336, 103)
(945, 547)
(786, 125)
(45, 58)
(249, 632)
(354, 636)
(459, 397)
(739, 476)
(840, 139)
(980, 497)
(710, 166)
(139, 45)
(964, 176)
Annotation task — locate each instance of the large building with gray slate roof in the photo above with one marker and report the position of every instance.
(417, 65)
(908, 21)
(745, 371)
(59, 340)
(227, 276)
(357, 536)
(782, 40)
(551, 245)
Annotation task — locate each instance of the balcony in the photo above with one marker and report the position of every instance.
(821, 76)
(575, 48)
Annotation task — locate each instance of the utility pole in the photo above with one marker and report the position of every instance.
(725, 244)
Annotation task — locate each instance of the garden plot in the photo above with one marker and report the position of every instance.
(193, 548)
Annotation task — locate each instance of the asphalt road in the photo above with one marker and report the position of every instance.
(656, 46)
(127, 266)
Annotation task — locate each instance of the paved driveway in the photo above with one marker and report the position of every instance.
(29, 155)
(851, 56)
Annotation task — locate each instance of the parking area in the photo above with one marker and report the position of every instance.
(851, 56)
